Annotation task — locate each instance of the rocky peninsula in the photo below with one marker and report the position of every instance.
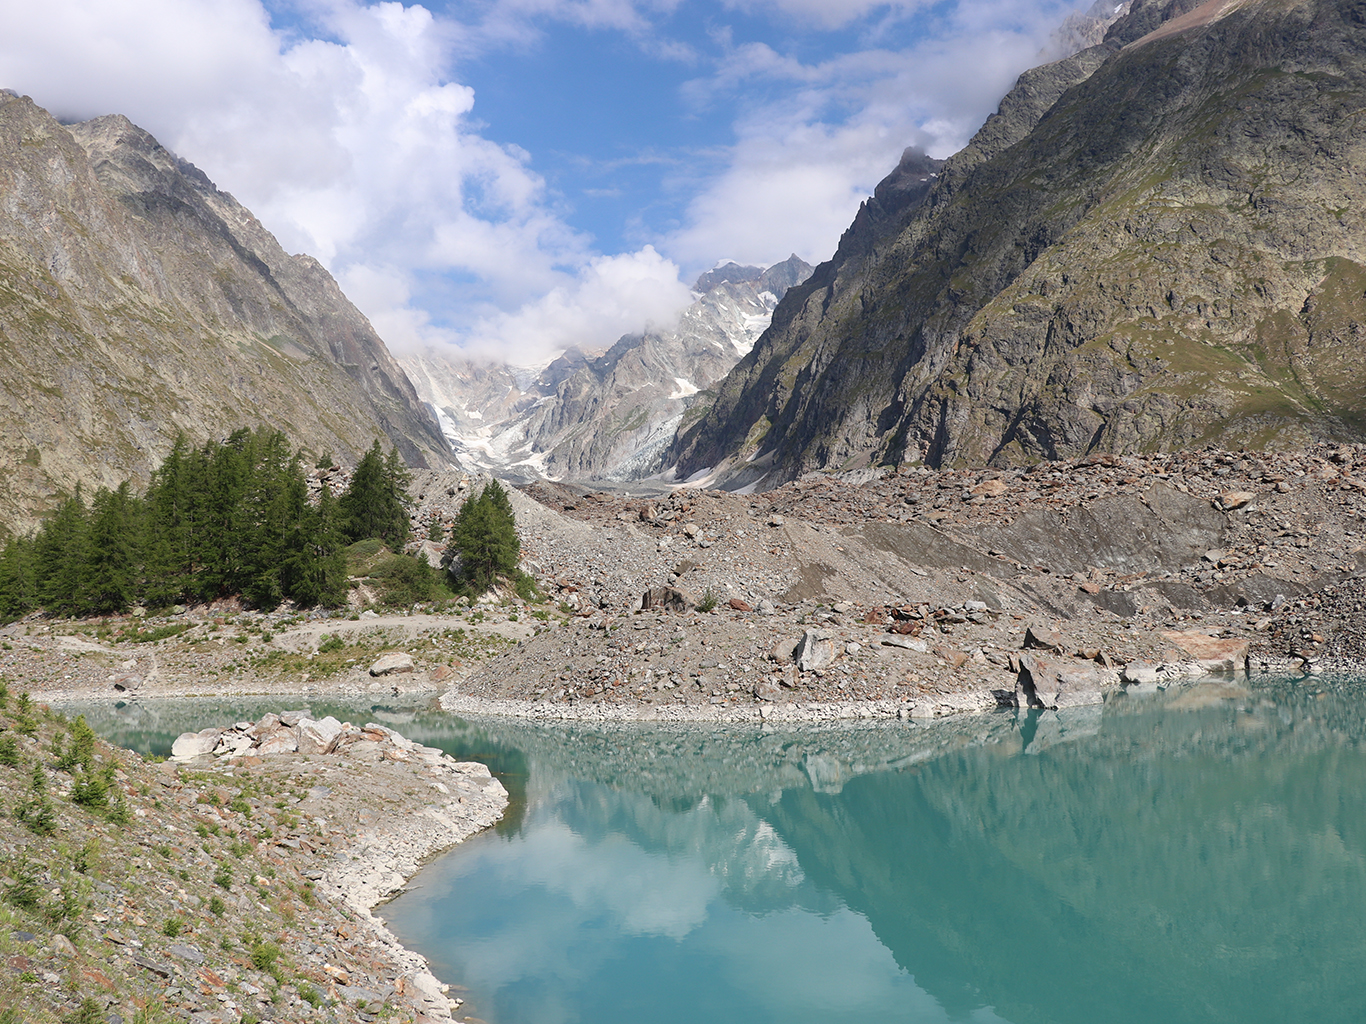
(233, 883)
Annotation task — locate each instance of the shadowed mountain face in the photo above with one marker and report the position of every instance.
(137, 300)
(1155, 242)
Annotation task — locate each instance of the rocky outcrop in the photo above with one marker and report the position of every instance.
(1154, 243)
(138, 301)
(610, 416)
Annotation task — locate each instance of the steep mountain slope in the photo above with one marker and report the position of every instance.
(136, 300)
(614, 415)
(1156, 242)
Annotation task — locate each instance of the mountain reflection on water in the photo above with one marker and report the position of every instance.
(1195, 856)
(1199, 856)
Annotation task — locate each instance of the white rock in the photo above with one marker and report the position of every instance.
(318, 737)
(391, 663)
(814, 651)
(190, 745)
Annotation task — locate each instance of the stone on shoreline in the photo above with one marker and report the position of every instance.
(388, 664)
(1211, 654)
(190, 745)
(1054, 683)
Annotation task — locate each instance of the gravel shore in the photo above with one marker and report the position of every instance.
(227, 889)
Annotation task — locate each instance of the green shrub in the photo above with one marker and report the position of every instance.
(264, 955)
(91, 789)
(89, 1012)
(327, 644)
(172, 927)
(9, 752)
(217, 906)
(24, 892)
(404, 580)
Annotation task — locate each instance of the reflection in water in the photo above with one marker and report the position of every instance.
(1199, 856)
(1203, 863)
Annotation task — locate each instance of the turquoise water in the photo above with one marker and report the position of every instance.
(1196, 856)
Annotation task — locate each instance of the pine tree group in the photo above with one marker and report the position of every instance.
(229, 518)
(485, 541)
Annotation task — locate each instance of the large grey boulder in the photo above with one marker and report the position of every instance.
(666, 599)
(1049, 682)
(1212, 654)
(189, 745)
(318, 737)
(815, 651)
(283, 740)
(388, 664)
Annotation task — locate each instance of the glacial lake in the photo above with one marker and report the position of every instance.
(1197, 855)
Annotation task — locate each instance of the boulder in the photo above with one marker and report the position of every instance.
(284, 740)
(1212, 654)
(767, 688)
(431, 552)
(739, 604)
(815, 650)
(189, 745)
(1140, 672)
(232, 743)
(266, 725)
(388, 664)
(665, 599)
(1053, 683)
(318, 737)
(1236, 499)
(990, 488)
(1042, 639)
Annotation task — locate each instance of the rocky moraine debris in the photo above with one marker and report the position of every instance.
(232, 883)
(925, 592)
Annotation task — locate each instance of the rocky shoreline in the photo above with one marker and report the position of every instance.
(227, 887)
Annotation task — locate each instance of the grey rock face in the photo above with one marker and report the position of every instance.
(140, 301)
(1107, 266)
(610, 416)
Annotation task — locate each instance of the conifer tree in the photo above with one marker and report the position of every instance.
(172, 514)
(109, 574)
(61, 557)
(315, 572)
(376, 502)
(485, 539)
(18, 586)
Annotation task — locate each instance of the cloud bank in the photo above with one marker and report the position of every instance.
(345, 127)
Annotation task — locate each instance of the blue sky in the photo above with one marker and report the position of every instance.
(515, 176)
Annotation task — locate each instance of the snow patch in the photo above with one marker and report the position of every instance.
(685, 388)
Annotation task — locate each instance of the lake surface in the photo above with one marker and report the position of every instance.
(1198, 855)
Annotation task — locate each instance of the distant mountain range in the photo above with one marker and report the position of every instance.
(1157, 241)
(137, 301)
(610, 416)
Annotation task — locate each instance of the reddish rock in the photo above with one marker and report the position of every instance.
(1212, 654)
(990, 488)
(739, 605)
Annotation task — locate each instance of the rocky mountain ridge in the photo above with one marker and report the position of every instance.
(1155, 243)
(137, 301)
(611, 415)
